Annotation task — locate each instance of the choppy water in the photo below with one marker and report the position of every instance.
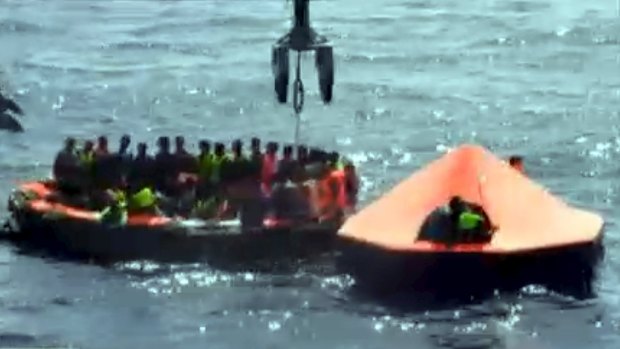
(541, 78)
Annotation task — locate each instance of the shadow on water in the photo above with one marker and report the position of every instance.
(285, 265)
(412, 301)
(447, 288)
(485, 320)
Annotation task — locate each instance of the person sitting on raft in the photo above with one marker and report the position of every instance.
(458, 222)
(118, 211)
(144, 202)
(115, 213)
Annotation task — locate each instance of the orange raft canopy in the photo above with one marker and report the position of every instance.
(528, 217)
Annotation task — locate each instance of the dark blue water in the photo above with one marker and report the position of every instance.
(540, 78)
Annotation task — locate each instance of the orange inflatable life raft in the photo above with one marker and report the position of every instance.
(530, 221)
(528, 217)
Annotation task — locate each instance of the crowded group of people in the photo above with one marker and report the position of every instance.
(292, 183)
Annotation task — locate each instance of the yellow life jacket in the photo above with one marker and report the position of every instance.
(469, 220)
(216, 174)
(206, 164)
(87, 159)
(145, 198)
(120, 199)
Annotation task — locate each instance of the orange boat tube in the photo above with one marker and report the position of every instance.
(531, 222)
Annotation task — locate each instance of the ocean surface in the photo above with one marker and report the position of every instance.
(414, 78)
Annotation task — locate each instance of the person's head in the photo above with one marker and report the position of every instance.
(142, 149)
(205, 146)
(163, 143)
(272, 148)
(124, 143)
(349, 167)
(69, 143)
(314, 155)
(237, 147)
(89, 146)
(333, 157)
(456, 204)
(287, 151)
(102, 142)
(219, 149)
(516, 162)
(179, 143)
(323, 156)
(302, 153)
(255, 144)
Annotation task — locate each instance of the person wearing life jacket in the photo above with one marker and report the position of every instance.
(256, 158)
(124, 155)
(67, 169)
(185, 162)
(339, 186)
(269, 166)
(330, 198)
(218, 174)
(285, 165)
(335, 161)
(471, 221)
(351, 186)
(164, 166)
(115, 213)
(87, 161)
(457, 222)
(185, 165)
(205, 160)
(103, 165)
(219, 157)
(238, 164)
(242, 188)
(144, 202)
(102, 146)
(302, 155)
(244, 197)
(206, 208)
(289, 203)
(142, 169)
(87, 155)
(118, 163)
(516, 162)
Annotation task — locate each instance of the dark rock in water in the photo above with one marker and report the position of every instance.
(9, 104)
(9, 123)
(16, 339)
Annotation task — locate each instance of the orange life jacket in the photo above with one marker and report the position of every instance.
(331, 195)
(268, 169)
(338, 181)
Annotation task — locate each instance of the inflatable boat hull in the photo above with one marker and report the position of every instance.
(569, 269)
(222, 244)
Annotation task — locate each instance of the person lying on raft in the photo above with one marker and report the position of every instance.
(458, 222)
